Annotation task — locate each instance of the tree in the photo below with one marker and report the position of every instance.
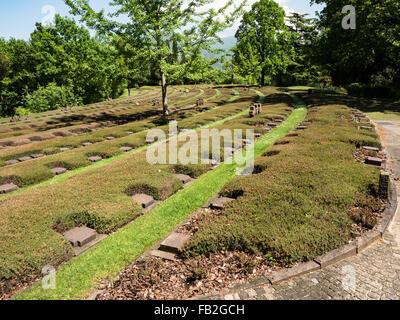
(369, 51)
(69, 56)
(167, 35)
(262, 41)
(303, 69)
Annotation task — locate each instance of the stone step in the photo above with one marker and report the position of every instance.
(7, 188)
(80, 236)
(174, 243)
(143, 200)
(301, 128)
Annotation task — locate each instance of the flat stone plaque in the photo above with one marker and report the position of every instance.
(78, 237)
(220, 203)
(174, 243)
(22, 159)
(64, 149)
(126, 149)
(110, 138)
(10, 162)
(184, 178)
(95, 159)
(7, 188)
(58, 171)
(374, 161)
(86, 144)
(272, 125)
(38, 155)
(371, 148)
(144, 200)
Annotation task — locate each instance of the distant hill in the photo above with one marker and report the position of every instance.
(228, 43)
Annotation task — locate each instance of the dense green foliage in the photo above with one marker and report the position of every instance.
(59, 66)
(263, 47)
(368, 54)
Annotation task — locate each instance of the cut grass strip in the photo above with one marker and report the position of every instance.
(80, 276)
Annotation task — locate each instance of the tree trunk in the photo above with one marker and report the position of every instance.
(129, 92)
(164, 94)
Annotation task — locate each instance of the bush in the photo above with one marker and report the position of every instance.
(371, 91)
(21, 111)
(51, 97)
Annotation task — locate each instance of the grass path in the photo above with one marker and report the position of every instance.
(79, 277)
(104, 162)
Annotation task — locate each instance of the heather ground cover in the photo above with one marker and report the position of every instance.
(299, 203)
(76, 279)
(97, 198)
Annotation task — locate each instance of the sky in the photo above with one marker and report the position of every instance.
(18, 17)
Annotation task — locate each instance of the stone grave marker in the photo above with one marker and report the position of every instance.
(58, 171)
(80, 236)
(220, 203)
(22, 159)
(38, 155)
(7, 188)
(374, 161)
(126, 149)
(174, 243)
(95, 159)
(184, 178)
(11, 162)
(143, 199)
(367, 148)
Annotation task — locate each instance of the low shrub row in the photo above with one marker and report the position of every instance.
(146, 117)
(38, 170)
(85, 116)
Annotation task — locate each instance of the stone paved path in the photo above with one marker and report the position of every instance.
(372, 275)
